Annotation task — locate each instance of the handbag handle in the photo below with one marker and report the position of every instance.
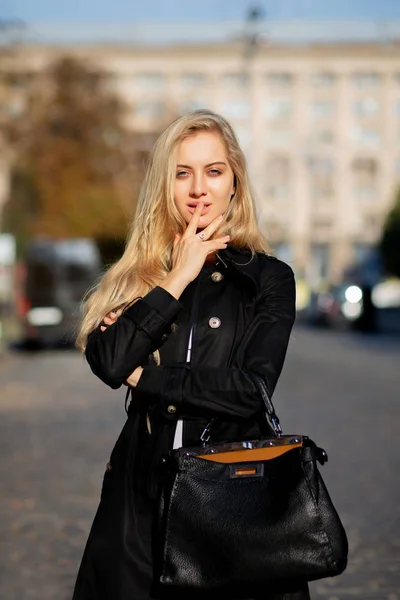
(270, 414)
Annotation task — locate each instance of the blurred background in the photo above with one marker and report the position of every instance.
(312, 90)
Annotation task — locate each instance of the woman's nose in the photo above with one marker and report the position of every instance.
(199, 186)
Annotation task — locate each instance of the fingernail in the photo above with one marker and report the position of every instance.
(220, 217)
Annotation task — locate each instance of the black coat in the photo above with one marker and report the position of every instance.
(240, 322)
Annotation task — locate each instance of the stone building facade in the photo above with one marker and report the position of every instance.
(319, 124)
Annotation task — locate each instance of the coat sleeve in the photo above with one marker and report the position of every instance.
(230, 392)
(115, 353)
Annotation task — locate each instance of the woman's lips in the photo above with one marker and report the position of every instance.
(205, 210)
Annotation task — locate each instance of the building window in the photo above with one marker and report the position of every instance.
(320, 110)
(17, 80)
(365, 137)
(321, 170)
(279, 137)
(284, 251)
(278, 108)
(366, 107)
(235, 109)
(278, 177)
(16, 106)
(397, 168)
(149, 110)
(112, 81)
(322, 136)
(189, 81)
(366, 79)
(371, 225)
(192, 104)
(322, 79)
(361, 251)
(365, 174)
(151, 82)
(235, 81)
(364, 194)
(279, 80)
(243, 135)
(319, 263)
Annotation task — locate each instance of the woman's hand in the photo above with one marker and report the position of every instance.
(134, 377)
(190, 250)
(110, 319)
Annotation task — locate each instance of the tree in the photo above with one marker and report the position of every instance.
(390, 242)
(77, 166)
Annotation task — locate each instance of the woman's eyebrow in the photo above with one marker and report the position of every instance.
(218, 162)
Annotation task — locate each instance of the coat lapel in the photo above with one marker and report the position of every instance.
(242, 262)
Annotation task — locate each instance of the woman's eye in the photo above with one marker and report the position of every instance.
(181, 173)
(214, 172)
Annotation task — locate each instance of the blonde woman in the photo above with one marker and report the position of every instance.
(193, 306)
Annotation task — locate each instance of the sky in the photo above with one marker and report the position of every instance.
(102, 11)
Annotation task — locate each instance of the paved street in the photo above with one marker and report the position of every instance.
(58, 425)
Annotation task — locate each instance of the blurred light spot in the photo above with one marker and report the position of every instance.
(351, 310)
(44, 316)
(353, 294)
(386, 294)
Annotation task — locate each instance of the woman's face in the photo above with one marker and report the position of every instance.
(203, 175)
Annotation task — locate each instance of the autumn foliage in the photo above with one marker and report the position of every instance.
(77, 168)
(390, 242)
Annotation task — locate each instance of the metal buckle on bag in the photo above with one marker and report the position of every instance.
(276, 425)
(205, 436)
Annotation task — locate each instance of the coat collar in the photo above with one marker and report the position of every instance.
(241, 260)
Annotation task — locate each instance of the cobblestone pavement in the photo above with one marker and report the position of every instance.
(58, 424)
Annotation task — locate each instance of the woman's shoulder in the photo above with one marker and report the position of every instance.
(274, 273)
(263, 268)
(272, 264)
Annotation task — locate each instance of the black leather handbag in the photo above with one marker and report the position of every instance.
(247, 513)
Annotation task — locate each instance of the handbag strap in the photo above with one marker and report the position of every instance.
(270, 414)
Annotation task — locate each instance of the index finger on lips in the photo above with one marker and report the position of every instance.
(194, 221)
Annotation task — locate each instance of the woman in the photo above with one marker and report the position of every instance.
(192, 307)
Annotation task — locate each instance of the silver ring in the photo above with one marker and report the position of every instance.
(202, 235)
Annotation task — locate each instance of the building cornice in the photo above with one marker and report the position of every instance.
(292, 32)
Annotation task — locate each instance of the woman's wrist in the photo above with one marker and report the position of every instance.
(175, 283)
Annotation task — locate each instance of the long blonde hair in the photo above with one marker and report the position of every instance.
(147, 257)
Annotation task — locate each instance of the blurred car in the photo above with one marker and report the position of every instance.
(57, 275)
(338, 306)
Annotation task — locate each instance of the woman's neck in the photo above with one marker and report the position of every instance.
(211, 258)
